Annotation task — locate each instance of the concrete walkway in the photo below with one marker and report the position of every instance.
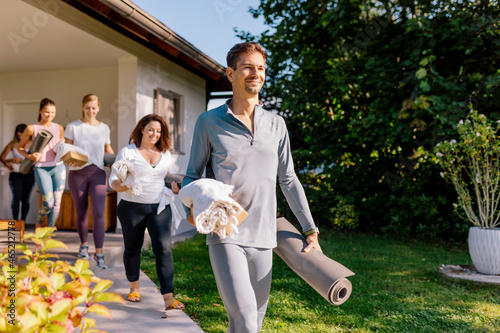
(146, 316)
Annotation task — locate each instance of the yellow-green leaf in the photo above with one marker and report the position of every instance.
(421, 73)
(88, 324)
(29, 322)
(29, 235)
(54, 328)
(23, 247)
(109, 297)
(40, 242)
(61, 307)
(44, 233)
(58, 280)
(100, 309)
(101, 286)
(52, 243)
(81, 266)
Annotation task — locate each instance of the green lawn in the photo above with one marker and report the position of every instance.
(396, 289)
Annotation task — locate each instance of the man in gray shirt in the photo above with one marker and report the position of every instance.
(249, 148)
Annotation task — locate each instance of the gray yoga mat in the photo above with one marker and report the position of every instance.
(173, 177)
(325, 275)
(41, 140)
(109, 159)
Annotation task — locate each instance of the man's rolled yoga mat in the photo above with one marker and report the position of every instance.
(41, 140)
(325, 275)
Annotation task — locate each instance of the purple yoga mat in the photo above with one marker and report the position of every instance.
(325, 275)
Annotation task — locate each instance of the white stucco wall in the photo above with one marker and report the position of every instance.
(156, 72)
(168, 76)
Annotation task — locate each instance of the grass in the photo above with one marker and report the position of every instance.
(396, 289)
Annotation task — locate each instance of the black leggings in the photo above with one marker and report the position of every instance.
(21, 186)
(135, 218)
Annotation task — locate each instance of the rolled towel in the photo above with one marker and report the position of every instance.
(168, 198)
(15, 162)
(5, 171)
(325, 275)
(125, 171)
(213, 210)
(62, 149)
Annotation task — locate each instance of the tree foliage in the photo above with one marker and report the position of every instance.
(368, 88)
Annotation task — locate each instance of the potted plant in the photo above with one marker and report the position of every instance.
(472, 165)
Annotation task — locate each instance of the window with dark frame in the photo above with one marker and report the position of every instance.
(168, 106)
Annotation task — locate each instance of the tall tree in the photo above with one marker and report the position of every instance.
(368, 88)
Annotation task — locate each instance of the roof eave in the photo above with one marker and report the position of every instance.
(128, 19)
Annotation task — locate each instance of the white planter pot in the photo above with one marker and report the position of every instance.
(484, 249)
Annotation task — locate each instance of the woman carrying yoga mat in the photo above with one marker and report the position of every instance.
(50, 176)
(92, 136)
(152, 207)
(248, 147)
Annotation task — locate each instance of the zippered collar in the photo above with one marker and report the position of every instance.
(257, 109)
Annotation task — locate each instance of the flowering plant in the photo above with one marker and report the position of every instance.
(472, 165)
(49, 296)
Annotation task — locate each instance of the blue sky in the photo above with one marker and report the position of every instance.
(207, 24)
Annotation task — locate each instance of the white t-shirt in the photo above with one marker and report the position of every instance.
(90, 138)
(152, 179)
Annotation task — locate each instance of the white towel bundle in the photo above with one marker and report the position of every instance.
(62, 149)
(5, 171)
(213, 210)
(167, 197)
(125, 171)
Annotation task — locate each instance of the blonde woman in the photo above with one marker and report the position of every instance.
(90, 179)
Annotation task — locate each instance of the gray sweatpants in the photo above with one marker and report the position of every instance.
(243, 276)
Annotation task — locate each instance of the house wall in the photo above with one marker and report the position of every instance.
(155, 72)
(20, 94)
(168, 76)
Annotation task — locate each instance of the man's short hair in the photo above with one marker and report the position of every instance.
(248, 47)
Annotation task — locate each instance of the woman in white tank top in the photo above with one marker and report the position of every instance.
(20, 184)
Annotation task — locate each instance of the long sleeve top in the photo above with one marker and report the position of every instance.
(251, 162)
